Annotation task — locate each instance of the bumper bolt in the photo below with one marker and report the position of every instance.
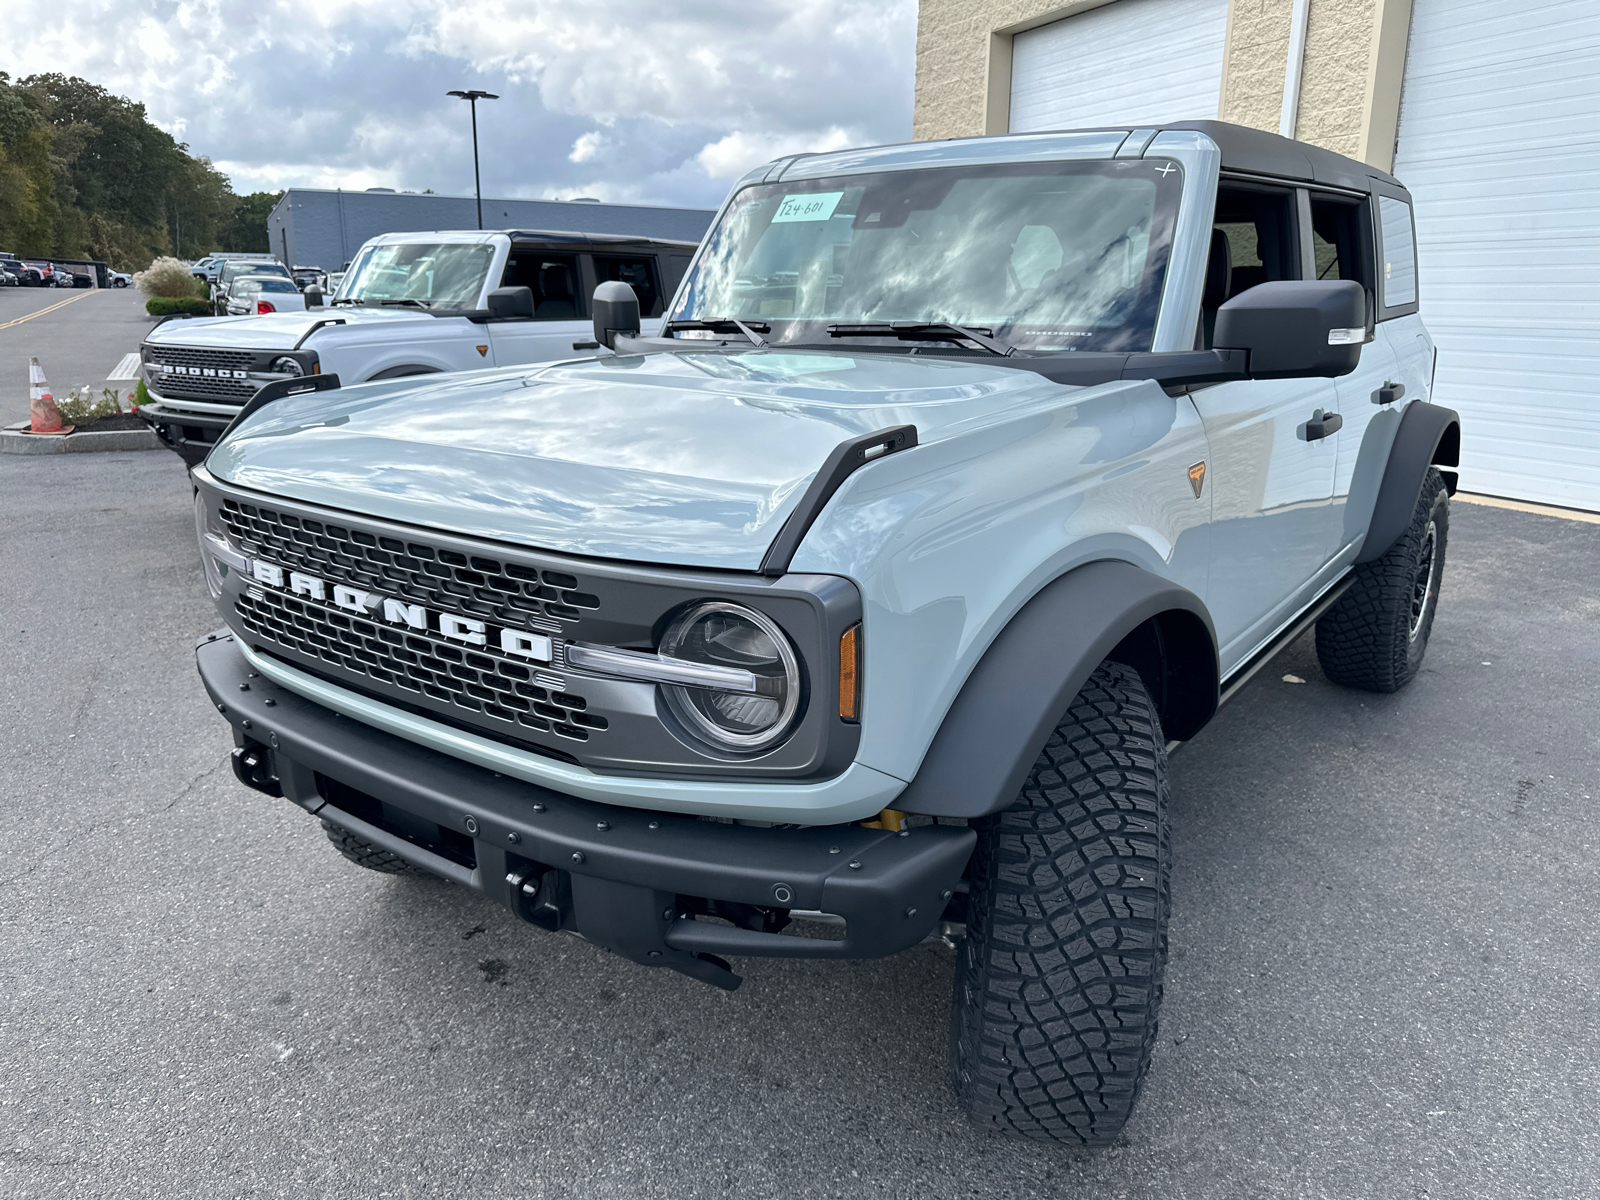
(946, 894)
(577, 856)
(538, 808)
(602, 826)
(471, 824)
(244, 687)
(667, 914)
(655, 824)
(222, 708)
(855, 864)
(245, 722)
(513, 838)
(273, 738)
(833, 849)
(911, 912)
(655, 954)
(270, 702)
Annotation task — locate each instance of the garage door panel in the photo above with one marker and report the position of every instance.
(1497, 144)
(1132, 62)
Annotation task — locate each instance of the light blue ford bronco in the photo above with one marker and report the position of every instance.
(861, 606)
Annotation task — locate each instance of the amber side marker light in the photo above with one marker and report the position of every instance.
(850, 673)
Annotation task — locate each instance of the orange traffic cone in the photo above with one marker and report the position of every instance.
(41, 405)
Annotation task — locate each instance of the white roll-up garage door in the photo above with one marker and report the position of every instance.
(1499, 143)
(1132, 62)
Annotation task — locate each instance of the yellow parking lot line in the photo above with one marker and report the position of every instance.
(50, 309)
(1543, 510)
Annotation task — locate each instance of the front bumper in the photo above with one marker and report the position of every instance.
(628, 880)
(190, 434)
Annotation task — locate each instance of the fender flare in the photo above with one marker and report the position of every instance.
(403, 370)
(1429, 435)
(1014, 698)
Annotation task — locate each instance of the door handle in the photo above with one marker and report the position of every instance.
(1389, 393)
(1322, 424)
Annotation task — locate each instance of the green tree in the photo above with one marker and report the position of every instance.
(246, 229)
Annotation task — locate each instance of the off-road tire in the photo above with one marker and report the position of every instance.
(1375, 635)
(365, 854)
(1059, 979)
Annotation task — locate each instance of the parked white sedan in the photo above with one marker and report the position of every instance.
(252, 294)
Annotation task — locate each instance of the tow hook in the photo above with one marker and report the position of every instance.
(252, 765)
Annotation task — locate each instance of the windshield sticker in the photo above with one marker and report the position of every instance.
(807, 206)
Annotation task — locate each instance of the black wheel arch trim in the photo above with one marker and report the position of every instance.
(1429, 436)
(1014, 698)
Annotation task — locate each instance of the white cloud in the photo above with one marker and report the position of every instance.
(738, 152)
(646, 100)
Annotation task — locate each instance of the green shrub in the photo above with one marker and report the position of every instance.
(166, 306)
(141, 395)
(165, 276)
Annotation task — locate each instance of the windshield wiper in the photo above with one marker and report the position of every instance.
(407, 303)
(922, 331)
(356, 301)
(753, 331)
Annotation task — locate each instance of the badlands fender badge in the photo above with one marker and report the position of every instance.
(1197, 477)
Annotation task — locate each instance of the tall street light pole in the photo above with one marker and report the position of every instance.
(472, 97)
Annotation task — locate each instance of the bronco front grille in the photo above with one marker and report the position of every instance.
(476, 682)
(221, 383)
(473, 585)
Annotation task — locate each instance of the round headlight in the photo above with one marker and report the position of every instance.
(287, 366)
(730, 635)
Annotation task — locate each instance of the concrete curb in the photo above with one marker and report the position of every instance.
(14, 441)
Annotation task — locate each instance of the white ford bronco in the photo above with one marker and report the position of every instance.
(410, 304)
(963, 478)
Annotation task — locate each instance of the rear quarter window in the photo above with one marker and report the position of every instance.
(1399, 262)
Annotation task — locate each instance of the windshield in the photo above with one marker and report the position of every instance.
(1046, 256)
(430, 274)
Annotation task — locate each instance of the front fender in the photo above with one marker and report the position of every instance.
(1017, 694)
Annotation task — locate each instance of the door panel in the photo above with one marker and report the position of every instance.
(1274, 523)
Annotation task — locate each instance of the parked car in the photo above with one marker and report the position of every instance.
(10, 271)
(335, 279)
(211, 266)
(80, 279)
(255, 294)
(120, 279)
(37, 273)
(304, 277)
(413, 304)
(966, 476)
(235, 269)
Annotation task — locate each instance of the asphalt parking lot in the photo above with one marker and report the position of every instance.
(1384, 980)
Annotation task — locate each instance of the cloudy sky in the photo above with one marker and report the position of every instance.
(660, 101)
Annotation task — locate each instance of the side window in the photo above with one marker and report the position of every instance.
(1252, 241)
(1341, 240)
(1399, 253)
(553, 279)
(637, 273)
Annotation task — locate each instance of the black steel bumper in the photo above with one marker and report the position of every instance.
(190, 434)
(629, 880)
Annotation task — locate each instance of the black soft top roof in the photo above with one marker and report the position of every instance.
(1261, 153)
(563, 238)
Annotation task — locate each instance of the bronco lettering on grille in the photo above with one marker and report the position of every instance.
(536, 647)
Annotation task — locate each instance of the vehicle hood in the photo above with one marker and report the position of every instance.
(269, 331)
(688, 458)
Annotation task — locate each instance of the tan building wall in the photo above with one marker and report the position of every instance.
(1349, 98)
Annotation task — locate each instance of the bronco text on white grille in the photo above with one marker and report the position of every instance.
(533, 646)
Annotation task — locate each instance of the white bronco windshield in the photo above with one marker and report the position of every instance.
(432, 275)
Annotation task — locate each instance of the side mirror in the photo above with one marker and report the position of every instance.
(313, 296)
(1296, 328)
(510, 302)
(616, 312)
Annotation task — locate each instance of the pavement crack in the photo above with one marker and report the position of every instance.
(89, 831)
